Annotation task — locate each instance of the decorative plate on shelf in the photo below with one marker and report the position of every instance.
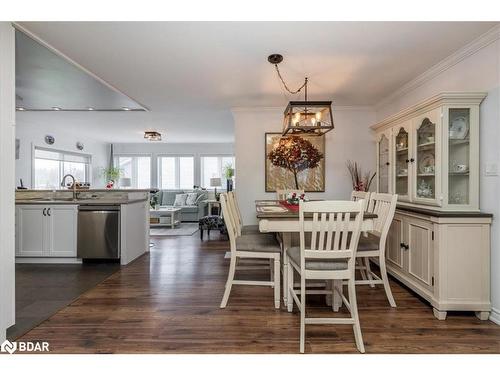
(427, 164)
(459, 128)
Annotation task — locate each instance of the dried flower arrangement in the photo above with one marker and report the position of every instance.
(360, 181)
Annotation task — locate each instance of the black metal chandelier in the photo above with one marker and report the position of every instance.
(304, 117)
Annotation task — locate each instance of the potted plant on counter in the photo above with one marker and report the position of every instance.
(111, 176)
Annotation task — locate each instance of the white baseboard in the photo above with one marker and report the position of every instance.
(495, 316)
(49, 260)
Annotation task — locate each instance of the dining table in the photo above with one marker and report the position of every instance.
(275, 216)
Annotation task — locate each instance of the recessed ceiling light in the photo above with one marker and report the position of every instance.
(90, 108)
(126, 108)
(20, 108)
(56, 108)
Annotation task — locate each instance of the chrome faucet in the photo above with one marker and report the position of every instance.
(63, 183)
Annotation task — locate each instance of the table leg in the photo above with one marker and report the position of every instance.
(286, 244)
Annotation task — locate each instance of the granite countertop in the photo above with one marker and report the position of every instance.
(97, 202)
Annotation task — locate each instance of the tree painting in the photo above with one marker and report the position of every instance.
(295, 154)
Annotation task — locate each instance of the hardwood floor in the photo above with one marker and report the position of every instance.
(168, 302)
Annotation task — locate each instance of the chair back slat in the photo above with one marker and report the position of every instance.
(233, 205)
(229, 220)
(358, 195)
(335, 230)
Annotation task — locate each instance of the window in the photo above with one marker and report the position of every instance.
(49, 167)
(137, 168)
(176, 172)
(213, 166)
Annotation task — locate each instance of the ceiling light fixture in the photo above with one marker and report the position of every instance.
(304, 117)
(126, 108)
(152, 136)
(56, 108)
(20, 109)
(90, 108)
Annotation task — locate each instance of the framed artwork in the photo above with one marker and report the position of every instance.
(294, 162)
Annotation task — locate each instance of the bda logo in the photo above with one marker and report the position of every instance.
(9, 347)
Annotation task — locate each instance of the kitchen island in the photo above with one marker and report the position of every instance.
(48, 229)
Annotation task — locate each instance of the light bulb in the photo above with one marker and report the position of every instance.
(318, 116)
(313, 121)
(297, 118)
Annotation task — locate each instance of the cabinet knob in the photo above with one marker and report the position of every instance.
(387, 163)
(412, 160)
(407, 160)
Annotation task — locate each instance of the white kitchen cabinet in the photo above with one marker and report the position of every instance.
(433, 153)
(46, 230)
(31, 231)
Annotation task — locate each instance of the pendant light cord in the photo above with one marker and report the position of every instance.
(293, 92)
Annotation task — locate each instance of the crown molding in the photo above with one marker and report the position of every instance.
(468, 50)
(435, 101)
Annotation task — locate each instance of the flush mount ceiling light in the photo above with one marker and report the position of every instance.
(90, 108)
(56, 108)
(152, 136)
(19, 108)
(126, 108)
(304, 117)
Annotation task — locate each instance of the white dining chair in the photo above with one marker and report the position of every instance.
(249, 246)
(374, 244)
(282, 194)
(328, 255)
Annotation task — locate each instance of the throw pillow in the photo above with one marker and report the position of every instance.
(180, 199)
(201, 197)
(191, 199)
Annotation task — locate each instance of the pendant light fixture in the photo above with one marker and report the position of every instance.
(304, 117)
(152, 136)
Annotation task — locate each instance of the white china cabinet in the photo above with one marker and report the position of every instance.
(429, 153)
(439, 241)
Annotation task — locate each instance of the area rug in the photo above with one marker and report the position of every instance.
(184, 229)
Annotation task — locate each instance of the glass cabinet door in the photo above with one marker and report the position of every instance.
(458, 156)
(426, 160)
(383, 164)
(402, 163)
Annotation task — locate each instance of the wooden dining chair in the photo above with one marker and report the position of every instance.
(357, 195)
(235, 209)
(374, 244)
(328, 255)
(252, 246)
(283, 193)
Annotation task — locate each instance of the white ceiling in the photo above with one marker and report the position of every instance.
(189, 74)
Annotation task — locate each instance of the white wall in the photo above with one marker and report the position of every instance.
(32, 128)
(7, 118)
(349, 140)
(477, 72)
(192, 149)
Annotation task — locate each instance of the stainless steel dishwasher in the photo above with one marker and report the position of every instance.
(98, 232)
